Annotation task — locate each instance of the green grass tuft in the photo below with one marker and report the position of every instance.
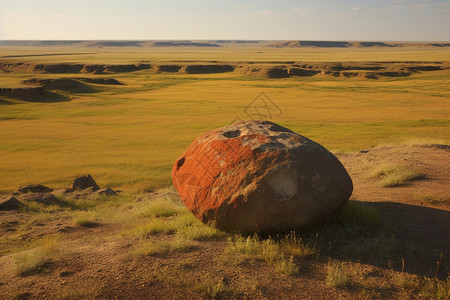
(39, 259)
(85, 219)
(336, 276)
(160, 208)
(391, 175)
(266, 250)
(213, 288)
(293, 244)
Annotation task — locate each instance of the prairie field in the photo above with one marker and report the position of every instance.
(390, 129)
(128, 136)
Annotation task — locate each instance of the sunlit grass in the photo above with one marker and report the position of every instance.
(85, 219)
(132, 134)
(391, 175)
(336, 275)
(38, 259)
(162, 216)
(267, 250)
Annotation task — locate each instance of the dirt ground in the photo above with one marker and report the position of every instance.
(99, 262)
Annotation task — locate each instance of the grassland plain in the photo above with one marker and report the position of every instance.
(388, 242)
(128, 136)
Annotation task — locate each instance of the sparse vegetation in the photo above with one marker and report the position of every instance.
(429, 288)
(154, 247)
(213, 288)
(162, 207)
(391, 175)
(266, 250)
(163, 216)
(336, 275)
(434, 288)
(293, 245)
(427, 199)
(85, 219)
(200, 232)
(39, 259)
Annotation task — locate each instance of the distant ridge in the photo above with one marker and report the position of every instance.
(344, 44)
(221, 43)
(321, 44)
(99, 44)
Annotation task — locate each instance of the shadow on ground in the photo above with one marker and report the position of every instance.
(411, 238)
(44, 97)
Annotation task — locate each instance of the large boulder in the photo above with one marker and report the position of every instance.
(257, 176)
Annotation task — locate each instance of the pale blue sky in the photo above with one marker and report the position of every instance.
(399, 20)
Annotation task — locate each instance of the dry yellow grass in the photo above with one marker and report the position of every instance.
(229, 54)
(128, 136)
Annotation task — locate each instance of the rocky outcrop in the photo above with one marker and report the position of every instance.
(83, 182)
(320, 44)
(179, 44)
(34, 188)
(301, 72)
(206, 69)
(83, 187)
(275, 72)
(256, 176)
(23, 93)
(10, 203)
(42, 198)
(269, 69)
(168, 68)
(72, 84)
(106, 191)
(127, 68)
(63, 84)
(64, 68)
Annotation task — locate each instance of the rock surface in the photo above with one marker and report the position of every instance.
(83, 182)
(34, 188)
(10, 203)
(42, 198)
(256, 176)
(106, 191)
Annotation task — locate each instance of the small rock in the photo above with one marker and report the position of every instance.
(84, 193)
(34, 188)
(10, 203)
(83, 182)
(42, 198)
(106, 191)
(90, 190)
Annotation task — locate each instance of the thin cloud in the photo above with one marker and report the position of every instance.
(267, 12)
(390, 7)
(301, 11)
(419, 5)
